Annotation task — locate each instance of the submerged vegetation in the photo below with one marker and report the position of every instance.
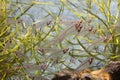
(38, 38)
